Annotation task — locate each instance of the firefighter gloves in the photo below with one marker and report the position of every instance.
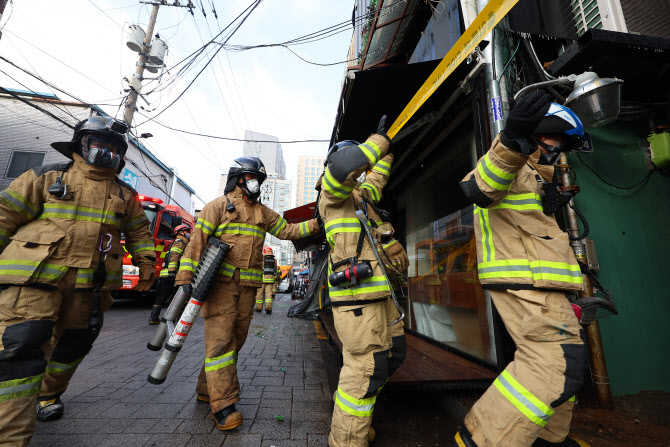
(381, 128)
(147, 276)
(523, 120)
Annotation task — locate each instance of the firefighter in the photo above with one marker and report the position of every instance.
(269, 288)
(526, 262)
(56, 221)
(166, 287)
(238, 219)
(372, 349)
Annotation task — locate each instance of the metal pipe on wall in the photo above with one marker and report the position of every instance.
(599, 375)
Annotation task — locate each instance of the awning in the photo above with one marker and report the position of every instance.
(643, 62)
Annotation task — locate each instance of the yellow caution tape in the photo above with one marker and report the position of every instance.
(494, 11)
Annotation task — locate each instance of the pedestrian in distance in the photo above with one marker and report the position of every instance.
(372, 348)
(61, 255)
(166, 287)
(238, 219)
(526, 262)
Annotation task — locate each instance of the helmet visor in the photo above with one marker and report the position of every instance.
(572, 143)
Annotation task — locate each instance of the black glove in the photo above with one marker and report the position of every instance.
(320, 222)
(172, 276)
(188, 288)
(381, 128)
(523, 119)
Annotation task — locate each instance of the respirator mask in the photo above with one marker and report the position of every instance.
(103, 154)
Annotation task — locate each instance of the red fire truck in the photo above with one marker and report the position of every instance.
(163, 219)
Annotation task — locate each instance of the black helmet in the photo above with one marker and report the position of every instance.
(245, 165)
(102, 126)
(339, 146)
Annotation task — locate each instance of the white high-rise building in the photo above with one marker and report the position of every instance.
(309, 170)
(270, 153)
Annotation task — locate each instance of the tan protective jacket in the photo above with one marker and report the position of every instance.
(244, 230)
(338, 202)
(174, 255)
(41, 237)
(518, 245)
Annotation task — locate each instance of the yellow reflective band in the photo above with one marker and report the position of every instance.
(459, 440)
(493, 176)
(33, 269)
(364, 286)
(488, 250)
(18, 388)
(85, 276)
(19, 203)
(355, 407)
(556, 271)
(383, 167)
(304, 229)
(136, 223)
(278, 227)
(374, 191)
(55, 367)
(240, 228)
(521, 202)
(188, 265)
(178, 250)
(251, 274)
(259, 301)
(215, 363)
(205, 226)
(136, 247)
(524, 401)
(227, 269)
(81, 213)
(371, 151)
(334, 187)
(342, 225)
(572, 399)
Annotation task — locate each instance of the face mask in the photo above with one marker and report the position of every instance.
(549, 159)
(253, 186)
(101, 157)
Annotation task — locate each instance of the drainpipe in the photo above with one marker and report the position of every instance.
(599, 375)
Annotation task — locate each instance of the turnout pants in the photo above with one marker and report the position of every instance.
(44, 337)
(372, 350)
(534, 396)
(227, 312)
(266, 291)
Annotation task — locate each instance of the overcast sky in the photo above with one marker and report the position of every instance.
(267, 90)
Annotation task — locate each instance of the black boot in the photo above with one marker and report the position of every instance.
(463, 438)
(228, 418)
(155, 314)
(50, 410)
(567, 442)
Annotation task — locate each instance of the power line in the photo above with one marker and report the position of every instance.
(106, 15)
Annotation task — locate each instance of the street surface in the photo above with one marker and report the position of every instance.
(286, 396)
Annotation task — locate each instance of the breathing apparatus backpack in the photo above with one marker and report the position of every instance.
(269, 265)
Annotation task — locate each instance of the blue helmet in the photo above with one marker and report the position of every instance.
(561, 120)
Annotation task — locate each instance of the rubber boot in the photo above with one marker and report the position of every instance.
(463, 438)
(268, 311)
(155, 314)
(567, 442)
(50, 410)
(228, 418)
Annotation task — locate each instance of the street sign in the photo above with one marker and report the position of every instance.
(129, 177)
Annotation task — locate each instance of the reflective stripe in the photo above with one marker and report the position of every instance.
(19, 203)
(4, 238)
(522, 399)
(259, 301)
(187, 264)
(55, 367)
(372, 151)
(31, 269)
(494, 176)
(356, 407)
(227, 359)
(251, 275)
(383, 167)
(81, 213)
(85, 276)
(17, 388)
(227, 270)
(205, 226)
(488, 250)
(521, 202)
(342, 225)
(136, 222)
(334, 187)
(178, 250)
(572, 399)
(373, 190)
(537, 270)
(390, 244)
(367, 285)
(173, 265)
(278, 227)
(268, 280)
(240, 228)
(304, 229)
(164, 273)
(136, 247)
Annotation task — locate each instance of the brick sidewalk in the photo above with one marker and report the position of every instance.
(110, 402)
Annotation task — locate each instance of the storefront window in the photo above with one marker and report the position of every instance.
(446, 302)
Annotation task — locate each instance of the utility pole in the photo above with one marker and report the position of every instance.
(139, 70)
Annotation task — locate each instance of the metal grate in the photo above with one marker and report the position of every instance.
(586, 14)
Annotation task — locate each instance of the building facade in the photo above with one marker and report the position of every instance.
(309, 170)
(267, 149)
(27, 134)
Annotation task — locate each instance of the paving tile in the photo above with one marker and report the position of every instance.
(209, 440)
(243, 440)
(317, 440)
(283, 443)
(163, 440)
